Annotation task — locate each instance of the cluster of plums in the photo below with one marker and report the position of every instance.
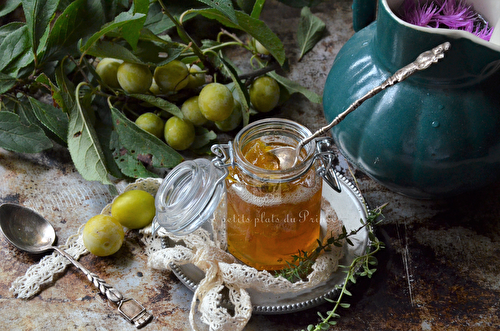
(215, 103)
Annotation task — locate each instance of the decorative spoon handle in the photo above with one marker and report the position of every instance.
(422, 62)
(130, 309)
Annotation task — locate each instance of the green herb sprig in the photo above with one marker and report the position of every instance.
(362, 266)
(301, 265)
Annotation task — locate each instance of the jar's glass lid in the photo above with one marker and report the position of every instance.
(189, 195)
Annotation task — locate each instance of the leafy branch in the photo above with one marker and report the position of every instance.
(57, 44)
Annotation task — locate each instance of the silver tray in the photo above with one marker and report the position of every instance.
(350, 209)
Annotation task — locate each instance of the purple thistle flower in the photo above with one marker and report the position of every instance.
(451, 14)
(421, 16)
(457, 15)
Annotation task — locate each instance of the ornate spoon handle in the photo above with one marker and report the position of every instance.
(422, 62)
(130, 309)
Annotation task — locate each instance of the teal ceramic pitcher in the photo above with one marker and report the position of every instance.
(434, 135)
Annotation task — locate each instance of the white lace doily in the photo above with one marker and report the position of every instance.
(221, 269)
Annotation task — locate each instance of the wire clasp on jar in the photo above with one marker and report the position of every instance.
(223, 153)
(324, 153)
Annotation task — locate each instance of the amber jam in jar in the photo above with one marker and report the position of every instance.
(261, 211)
(272, 213)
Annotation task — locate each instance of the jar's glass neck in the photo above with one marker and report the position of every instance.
(283, 133)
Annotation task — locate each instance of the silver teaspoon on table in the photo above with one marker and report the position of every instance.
(30, 232)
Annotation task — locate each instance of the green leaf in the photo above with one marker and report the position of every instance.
(80, 19)
(345, 305)
(65, 93)
(137, 145)
(160, 103)
(147, 53)
(118, 22)
(114, 50)
(84, 146)
(127, 162)
(16, 50)
(371, 236)
(257, 8)
(51, 117)
(254, 27)
(310, 31)
(204, 137)
(241, 90)
(8, 6)
(132, 30)
(223, 6)
(156, 21)
(352, 279)
(7, 29)
(107, 137)
(153, 53)
(6, 82)
(294, 87)
(38, 15)
(346, 292)
(17, 136)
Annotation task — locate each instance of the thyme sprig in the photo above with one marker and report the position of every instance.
(301, 265)
(362, 266)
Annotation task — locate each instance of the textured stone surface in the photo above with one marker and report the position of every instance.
(438, 272)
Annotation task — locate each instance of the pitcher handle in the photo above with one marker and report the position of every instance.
(363, 13)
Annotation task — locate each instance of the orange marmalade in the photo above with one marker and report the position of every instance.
(269, 222)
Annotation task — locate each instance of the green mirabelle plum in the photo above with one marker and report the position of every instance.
(216, 102)
(191, 111)
(134, 209)
(179, 133)
(134, 78)
(172, 77)
(107, 70)
(196, 77)
(233, 120)
(151, 123)
(103, 235)
(264, 94)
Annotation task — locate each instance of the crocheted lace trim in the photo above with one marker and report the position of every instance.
(44, 273)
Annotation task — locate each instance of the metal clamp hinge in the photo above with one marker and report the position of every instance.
(325, 153)
(223, 153)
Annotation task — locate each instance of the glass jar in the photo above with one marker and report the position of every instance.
(269, 213)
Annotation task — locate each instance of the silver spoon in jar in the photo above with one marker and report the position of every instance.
(288, 156)
(30, 232)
